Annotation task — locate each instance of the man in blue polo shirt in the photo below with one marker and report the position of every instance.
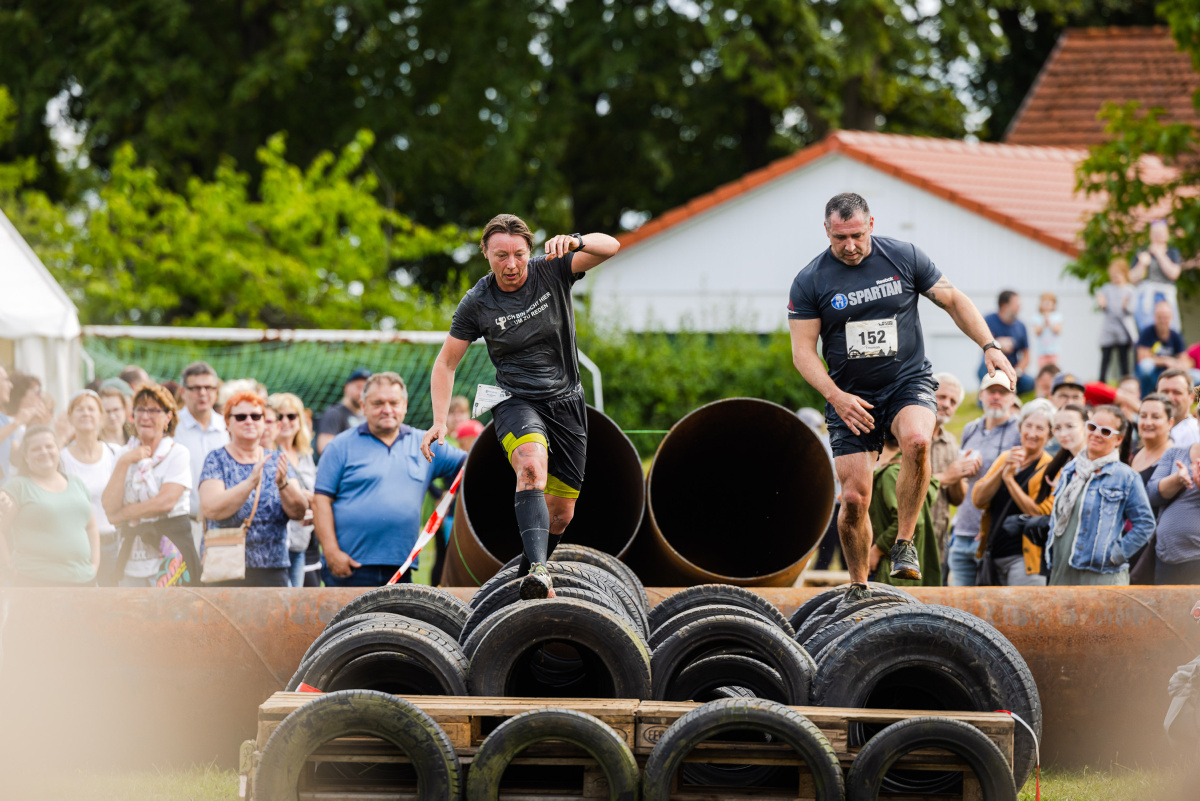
(370, 485)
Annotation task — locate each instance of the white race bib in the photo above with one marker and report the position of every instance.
(487, 396)
(871, 339)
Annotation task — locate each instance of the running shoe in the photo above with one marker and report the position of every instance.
(537, 584)
(857, 592)
(904, 561)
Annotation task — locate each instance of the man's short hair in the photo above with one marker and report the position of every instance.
(505, 224)
(195, 369)
(133, 374)
(952, 380)
(1049, 369)
(1175, 372)
(388, 378)
(847, 204)
(1005, 296)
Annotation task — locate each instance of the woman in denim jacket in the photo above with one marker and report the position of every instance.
(1096, 495)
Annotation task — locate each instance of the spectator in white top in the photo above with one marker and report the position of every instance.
(199, 430)
(93, 462)
(1176, 384)
(148, 498)
(23, 410)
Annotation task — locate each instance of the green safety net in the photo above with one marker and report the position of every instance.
(314, 371)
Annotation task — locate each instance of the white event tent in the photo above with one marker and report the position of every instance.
(39, 326)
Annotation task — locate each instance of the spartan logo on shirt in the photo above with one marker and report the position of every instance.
(535, 308)
(884, 288)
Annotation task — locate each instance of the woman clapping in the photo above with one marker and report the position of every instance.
(230, 493)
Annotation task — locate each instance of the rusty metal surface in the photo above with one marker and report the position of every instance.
(607, 516)
(123, 679)
(740, 492)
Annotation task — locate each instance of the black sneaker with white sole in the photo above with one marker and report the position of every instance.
(904, 561)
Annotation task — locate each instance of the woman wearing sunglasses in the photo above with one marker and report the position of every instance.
(294, 440)
(148, 499)
(1175, 491)
(229, 484)
(1097, 494)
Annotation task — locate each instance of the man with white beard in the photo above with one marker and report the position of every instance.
(984, 439)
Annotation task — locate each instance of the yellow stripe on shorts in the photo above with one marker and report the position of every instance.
(511, 443)
(558, 489)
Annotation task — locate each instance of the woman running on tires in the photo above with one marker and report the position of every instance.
(524, 313)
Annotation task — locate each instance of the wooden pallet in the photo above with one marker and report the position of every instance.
(468, 720)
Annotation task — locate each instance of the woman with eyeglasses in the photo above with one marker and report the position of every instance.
(148, 498)
(93, 463)
(48, 536)
(294, 440)
(1014, 486)
(1175, 491)
(230, 483)
(1097, 494)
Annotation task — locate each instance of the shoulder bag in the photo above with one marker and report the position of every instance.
(225, 549)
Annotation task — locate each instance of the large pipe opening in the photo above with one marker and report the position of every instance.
(740, 490)
(607, 515)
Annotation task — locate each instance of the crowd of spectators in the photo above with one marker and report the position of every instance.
(122, 488)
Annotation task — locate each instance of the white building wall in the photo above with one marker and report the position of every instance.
(733, 265)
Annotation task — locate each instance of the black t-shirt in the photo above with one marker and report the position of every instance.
(530, 333)
(884, 286)
(338, 418)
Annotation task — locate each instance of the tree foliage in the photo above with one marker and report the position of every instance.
(571, 114)
(1119, 168)
(316, 249)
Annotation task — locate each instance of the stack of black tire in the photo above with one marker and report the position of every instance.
(589, 642)
(401, 639)
(888, 652)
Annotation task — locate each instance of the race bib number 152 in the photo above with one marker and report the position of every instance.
(872, 339)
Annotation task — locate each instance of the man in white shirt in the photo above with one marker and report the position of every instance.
(199, 429)
(1176, 384)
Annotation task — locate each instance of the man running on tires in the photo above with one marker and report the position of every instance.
(523, 311)
(860, 298)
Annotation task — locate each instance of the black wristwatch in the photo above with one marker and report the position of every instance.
(579, 239)
(992, 344)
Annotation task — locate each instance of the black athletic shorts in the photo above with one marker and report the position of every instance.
(887, 403)
(560, 424)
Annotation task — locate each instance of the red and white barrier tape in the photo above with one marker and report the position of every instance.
(1037, 753)
(431, 526)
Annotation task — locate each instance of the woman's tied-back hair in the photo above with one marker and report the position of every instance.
(506, 224)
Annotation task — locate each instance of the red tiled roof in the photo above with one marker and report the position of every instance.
(1028, 189)
(1092, 66)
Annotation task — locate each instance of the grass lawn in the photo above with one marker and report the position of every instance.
(208, 783)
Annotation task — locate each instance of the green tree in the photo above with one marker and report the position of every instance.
(316, 249)
(1125, 170)
(572, 114)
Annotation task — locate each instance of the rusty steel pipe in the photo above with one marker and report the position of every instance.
(607, 516)
(121, 679)
(740, 492)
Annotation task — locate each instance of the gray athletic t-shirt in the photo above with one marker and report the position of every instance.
(530, 333)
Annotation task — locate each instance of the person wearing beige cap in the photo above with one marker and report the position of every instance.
(983, 440)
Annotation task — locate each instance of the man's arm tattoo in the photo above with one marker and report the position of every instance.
(940, 293)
